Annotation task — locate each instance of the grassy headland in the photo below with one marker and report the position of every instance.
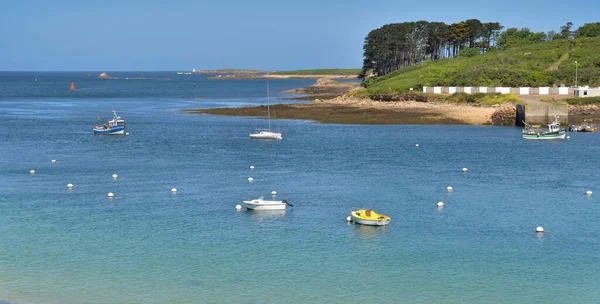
(353, 72)
(460, 54)
(537, 64)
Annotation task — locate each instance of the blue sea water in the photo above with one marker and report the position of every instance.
(147, 245)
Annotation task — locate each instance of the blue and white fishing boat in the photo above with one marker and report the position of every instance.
(554, 131)
(116, 126)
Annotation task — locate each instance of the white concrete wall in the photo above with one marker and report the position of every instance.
(502, 90)
(563, 91)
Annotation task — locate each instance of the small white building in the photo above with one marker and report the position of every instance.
(586, 92)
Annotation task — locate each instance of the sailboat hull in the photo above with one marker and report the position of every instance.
(266, 135)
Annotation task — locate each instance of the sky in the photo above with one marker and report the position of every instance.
(178, 35)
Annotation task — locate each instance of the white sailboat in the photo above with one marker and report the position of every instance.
(266, 133)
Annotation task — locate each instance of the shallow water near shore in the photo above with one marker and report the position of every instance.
(147, 245)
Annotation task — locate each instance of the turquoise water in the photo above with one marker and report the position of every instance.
(147, 245)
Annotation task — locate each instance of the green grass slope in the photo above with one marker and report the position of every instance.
(542, 64)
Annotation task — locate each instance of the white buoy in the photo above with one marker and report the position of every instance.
(465, 170)
(539, 229)
(110, 194)
(416, 145)
(127, 133)
(238, 207)
(349, 219)
(588, 192)
(250, 179)
(440, 204)
(273, 193)
(174, 190)
(450, 188)
(115, 176)
(251, 167)
(568, 137)
(32, 171)
(69, 186)
(54, 160)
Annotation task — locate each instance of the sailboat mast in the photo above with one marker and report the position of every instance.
(268, 109)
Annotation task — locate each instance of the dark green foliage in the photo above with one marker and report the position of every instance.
(565, 31)
(588, 30)
(397, 45)
(470, 52)
(516, 37)
(481, 98)
(419, 97)
(583, 101)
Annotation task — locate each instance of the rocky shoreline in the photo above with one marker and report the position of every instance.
(337, 103)
(349, 109)
(584, 110)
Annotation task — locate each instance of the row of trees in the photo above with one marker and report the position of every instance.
(404, 44)
(397, 45)
(514, 36)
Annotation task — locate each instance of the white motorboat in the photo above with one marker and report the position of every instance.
(266, 133)
(262, 204)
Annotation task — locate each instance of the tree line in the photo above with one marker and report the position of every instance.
(397, 45)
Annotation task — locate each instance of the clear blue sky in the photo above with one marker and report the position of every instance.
(107, 35)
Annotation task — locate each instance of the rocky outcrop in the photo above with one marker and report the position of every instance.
(326, 86)
(504, 116)
(584, 110)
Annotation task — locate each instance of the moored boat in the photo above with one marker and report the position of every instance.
(266, 133)
(369, 218)
(554, 131)
(115, 126)
(586, 126)
(262, 204)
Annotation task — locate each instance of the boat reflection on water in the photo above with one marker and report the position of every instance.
(369, 232)
(265, 215)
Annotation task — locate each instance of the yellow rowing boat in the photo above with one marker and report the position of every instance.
(369, 217)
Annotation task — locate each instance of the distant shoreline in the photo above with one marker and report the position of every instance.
(228, 74)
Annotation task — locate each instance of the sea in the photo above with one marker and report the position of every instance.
(150, 245)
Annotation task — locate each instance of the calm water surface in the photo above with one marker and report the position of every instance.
(147, 245)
